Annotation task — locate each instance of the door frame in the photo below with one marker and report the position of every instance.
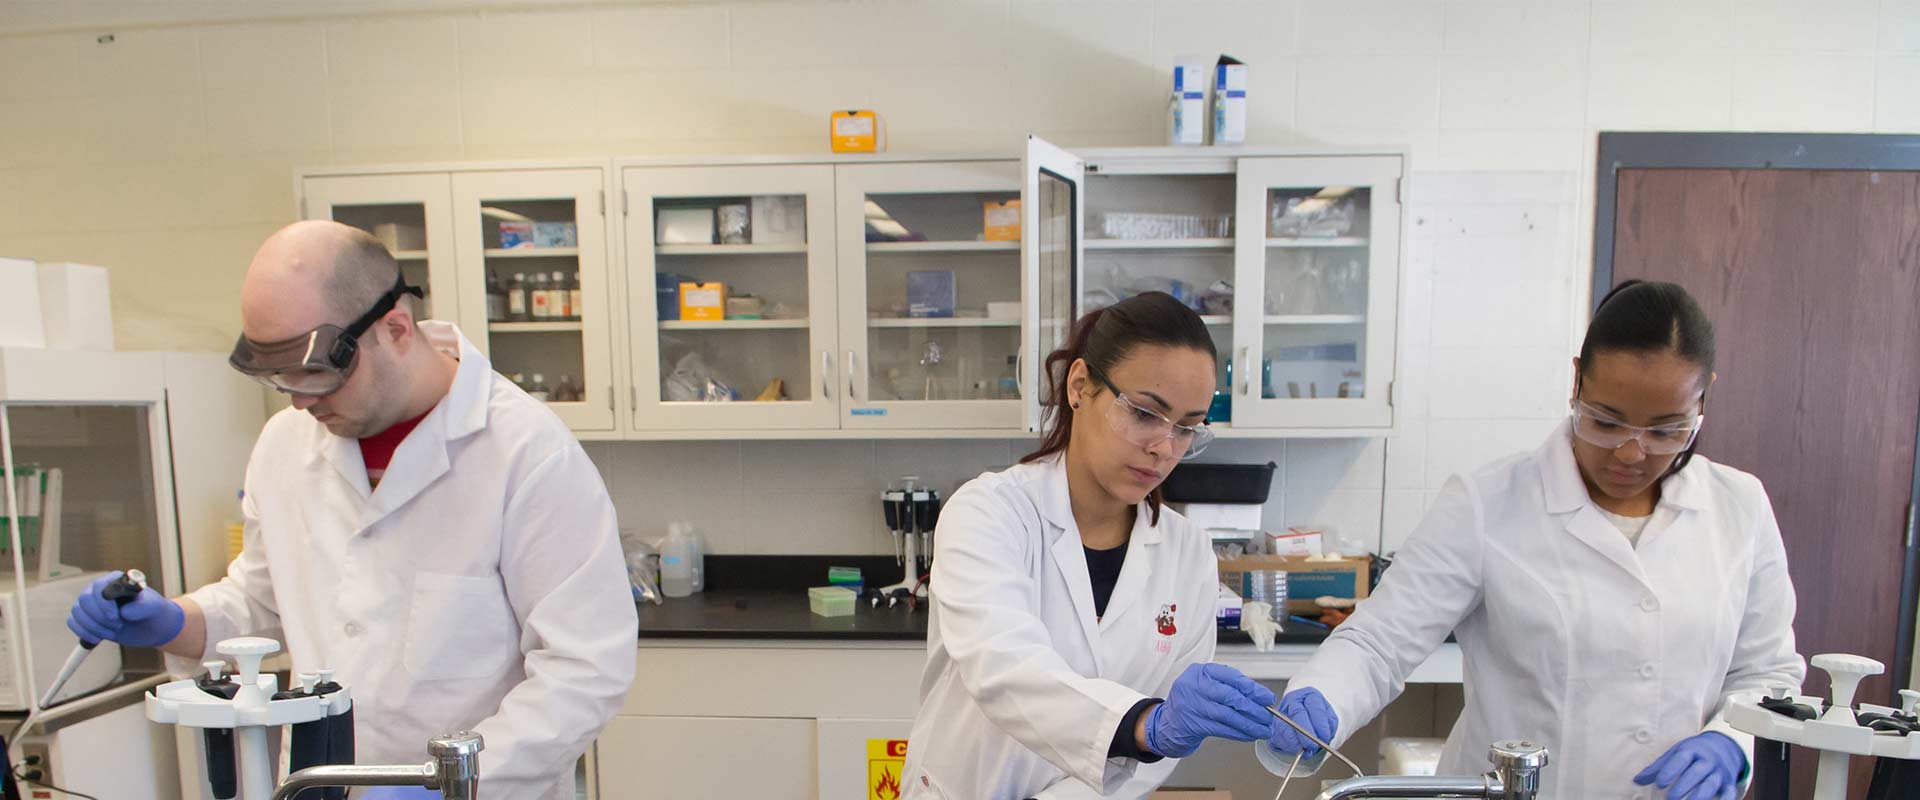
(1812, 151)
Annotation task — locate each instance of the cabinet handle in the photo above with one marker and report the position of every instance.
(853, 369)
(826, 374)
(1246, 371)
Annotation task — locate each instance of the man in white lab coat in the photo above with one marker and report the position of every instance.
(414, 522)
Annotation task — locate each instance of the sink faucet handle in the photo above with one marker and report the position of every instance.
(1517, 764)
(456, 759)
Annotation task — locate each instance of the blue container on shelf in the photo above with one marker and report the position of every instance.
(666, 294)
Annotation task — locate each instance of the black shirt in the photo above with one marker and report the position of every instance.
(1103, 567)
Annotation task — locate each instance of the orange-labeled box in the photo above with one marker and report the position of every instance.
(856, 131)
(703, 301)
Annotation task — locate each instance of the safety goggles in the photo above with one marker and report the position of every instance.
(1144, 427)
(319, 362)
(1596, 428)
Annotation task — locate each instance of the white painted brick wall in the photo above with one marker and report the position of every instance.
(169, 153)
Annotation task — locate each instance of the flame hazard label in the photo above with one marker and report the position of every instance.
(886, 759)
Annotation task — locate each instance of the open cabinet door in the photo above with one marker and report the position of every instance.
(1051, 210)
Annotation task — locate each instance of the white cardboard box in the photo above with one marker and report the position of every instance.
(1229, 101)
(1187, 114)
(20, 321)
(76, 307)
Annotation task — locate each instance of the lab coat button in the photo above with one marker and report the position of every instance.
(1646, 670)
(1643, 736)
(352, 629)
(1649, 604)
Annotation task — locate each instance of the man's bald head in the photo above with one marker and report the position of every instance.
(313, 273)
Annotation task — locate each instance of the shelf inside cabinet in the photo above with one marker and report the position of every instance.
(409, 255)
(1310, 243)
(732, 324)
(728, 249)
(533, 252)
(1217, 319)
(943, 247)
(1315, 319)
(534, 327)
(1145, 245)
(941, 322)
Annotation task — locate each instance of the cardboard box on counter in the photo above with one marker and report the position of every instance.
(1307, 579)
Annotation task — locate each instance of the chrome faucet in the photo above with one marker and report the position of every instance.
(454, 770)
(1515, 776)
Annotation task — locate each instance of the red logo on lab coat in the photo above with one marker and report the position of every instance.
(1164, 622)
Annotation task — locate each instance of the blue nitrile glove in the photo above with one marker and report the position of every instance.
(1209, 700)
(149, 620)
(1309, 708)
(399, 793)
(1706, 766)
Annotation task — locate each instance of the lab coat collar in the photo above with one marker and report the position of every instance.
(1070, 557)
(1057, 504)
(422, 457)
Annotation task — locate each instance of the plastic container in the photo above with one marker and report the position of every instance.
(1219, 483)
(677, 557)
(831, 601)
(699, 557)
(846, 578)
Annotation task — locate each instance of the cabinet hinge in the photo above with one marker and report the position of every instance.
(609, 397)
(303, 208)
(603, 202)
(1393, 394)
(625, 207)
(1400, 191)
(633, 397)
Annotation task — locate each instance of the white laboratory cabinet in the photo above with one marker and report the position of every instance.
(467, 234)
(904, 296)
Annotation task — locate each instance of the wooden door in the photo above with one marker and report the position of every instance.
(1812, 280)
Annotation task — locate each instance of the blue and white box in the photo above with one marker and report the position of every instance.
(1229, 101)
(930, 294)
(1187, 114)
(555, 234)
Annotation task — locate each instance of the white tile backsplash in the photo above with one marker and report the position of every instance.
(167, 153)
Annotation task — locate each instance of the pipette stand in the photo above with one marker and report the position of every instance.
(1836, 733)
(911, 581)
(250, 714)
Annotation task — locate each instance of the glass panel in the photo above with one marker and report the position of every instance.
(1054, 243)
(1316, 292)
(84, 479)
(403, 227)
(730, 287)
(1166, 233)
(943, 296)
(533, 295)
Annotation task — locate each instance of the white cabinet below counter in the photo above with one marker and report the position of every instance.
(797, 719)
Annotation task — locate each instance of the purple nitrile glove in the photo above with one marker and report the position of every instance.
(1706, 766)
(1309, 708)
(1209, 700)
(149, 620)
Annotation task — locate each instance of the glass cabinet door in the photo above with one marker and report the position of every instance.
(1318, 263)
(408, 212)
(534, 294)
(730, 275)
(1052, 206)
(1152, 230)
(930, 294)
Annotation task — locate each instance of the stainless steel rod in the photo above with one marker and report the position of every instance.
(1316, 740)
(318, 777)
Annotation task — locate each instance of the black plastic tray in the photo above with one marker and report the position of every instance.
(1219, 483)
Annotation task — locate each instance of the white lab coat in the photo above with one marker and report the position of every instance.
(1571, 637)
(480, 586)
(1023, 688)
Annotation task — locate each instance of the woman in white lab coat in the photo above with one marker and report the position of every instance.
(1067, 602)
(1609, 590)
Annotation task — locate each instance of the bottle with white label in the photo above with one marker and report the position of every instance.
(518, 308)
(539, 388)
(562, 301)
(573, 297)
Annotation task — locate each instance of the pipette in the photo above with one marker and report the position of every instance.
(121, 592)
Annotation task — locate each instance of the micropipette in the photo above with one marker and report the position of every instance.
(121, 592)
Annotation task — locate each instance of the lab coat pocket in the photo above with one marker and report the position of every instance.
(458, 626)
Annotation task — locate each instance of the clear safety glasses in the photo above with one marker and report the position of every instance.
(1145, 427)
(319, 362)
(1597, 428)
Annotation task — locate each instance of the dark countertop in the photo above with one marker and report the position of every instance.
(786, 615)
(765, 597)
